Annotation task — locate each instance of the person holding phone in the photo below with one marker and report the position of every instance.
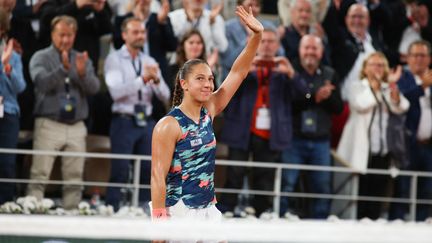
(258, 121)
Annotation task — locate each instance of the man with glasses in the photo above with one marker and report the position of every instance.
(416, 85)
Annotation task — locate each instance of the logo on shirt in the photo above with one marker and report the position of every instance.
(196, 142)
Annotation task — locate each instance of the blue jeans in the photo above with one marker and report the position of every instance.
(9, 128)
(310, 152)
(421, 160)
(127, 138)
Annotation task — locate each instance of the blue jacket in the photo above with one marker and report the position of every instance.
(238, 114)
(11, 86)
(412, 91)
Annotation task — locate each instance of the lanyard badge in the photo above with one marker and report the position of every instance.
(263, 119)
(68, 104)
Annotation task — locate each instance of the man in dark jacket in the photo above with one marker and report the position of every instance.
(311, 124)
(415, 85)
(258, 121)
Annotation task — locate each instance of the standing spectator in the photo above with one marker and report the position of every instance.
(194, 16)
(312, 124)
(93, 17)
(11, 83)
(160, 35)
(94, 20)
(63, 78)
(319, 10)
(410, 22)
(236, 34)
(301, 24)
(25, 44)
(352, 46)
(364, 139)
(257, 121)
(160, 40)
(133, 78)
(416, 86)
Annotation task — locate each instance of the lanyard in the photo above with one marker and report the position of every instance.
(263, 82)
(67, 87)
(137, 70)
(196, 24)
(138, 73)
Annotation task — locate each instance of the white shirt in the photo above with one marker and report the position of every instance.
(354, 73)
(425, 124)
(409, 36)
(124, 84)
(214, 35)
(379, 127)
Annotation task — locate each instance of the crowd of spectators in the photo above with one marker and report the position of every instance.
(326, 70)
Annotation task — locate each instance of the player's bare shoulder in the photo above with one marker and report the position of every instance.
(168, 128)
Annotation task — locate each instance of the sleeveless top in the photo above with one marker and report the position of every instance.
(191, 175)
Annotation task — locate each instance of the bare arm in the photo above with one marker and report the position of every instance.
(241, 66)
(165, 135)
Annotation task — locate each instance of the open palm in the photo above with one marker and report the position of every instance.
(249, 20)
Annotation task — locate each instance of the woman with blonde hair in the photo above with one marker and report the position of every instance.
(364, 139)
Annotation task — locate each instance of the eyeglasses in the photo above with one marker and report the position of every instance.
(381, 65)
(420, 55)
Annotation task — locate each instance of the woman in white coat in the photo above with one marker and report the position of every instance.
(363, 143)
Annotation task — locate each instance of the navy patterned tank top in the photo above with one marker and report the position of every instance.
(191, 175)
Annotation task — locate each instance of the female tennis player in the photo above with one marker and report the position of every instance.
(183, 142)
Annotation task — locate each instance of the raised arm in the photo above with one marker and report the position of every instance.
(165, 135)
(241, 66)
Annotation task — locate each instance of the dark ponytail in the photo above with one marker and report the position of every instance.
(182, 74)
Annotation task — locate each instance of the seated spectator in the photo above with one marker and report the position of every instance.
(416, 85)
(257, 122)
(194, 15)
(133, 78)
(63, 78)
(191, 46)
(11, 84)
(364, 139)
(312, 114)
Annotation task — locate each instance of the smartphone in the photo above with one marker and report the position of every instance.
(265, 63)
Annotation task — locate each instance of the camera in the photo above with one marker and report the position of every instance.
(266, 63)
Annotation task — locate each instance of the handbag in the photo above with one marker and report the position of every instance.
(397, 138)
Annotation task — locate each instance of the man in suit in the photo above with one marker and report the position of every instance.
(416, 85)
